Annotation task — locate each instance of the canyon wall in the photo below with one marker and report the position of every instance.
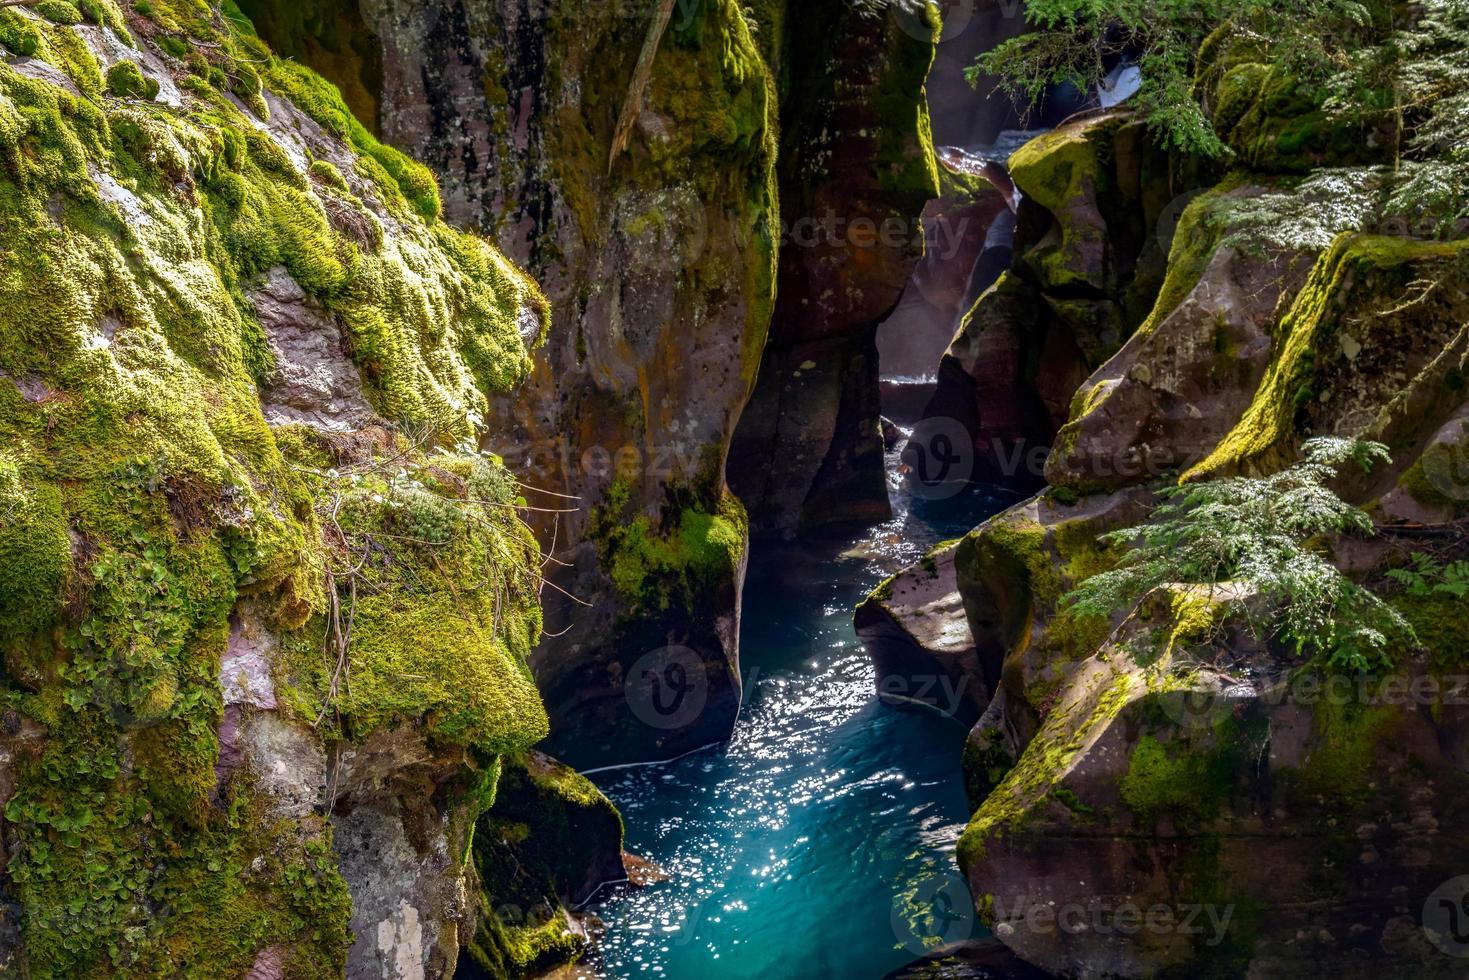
(1176, 760)
(267, 606)
(856, 168)
(659, 262)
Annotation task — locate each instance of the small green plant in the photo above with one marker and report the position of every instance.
(1267, 534)
(1428, 577)
(59, 12)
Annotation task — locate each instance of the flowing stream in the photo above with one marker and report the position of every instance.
(818, 842)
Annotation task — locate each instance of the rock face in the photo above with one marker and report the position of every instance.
(856, 169)
(1088, 265)
(1226, 823)
(265, 613)
(913, 626)
(966, 246)
(1185, 377)
(1166, 793)
(548, 844)
(659, 265)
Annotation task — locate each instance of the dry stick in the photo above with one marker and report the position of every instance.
(553, 493)
(19, 3)
(641, 75)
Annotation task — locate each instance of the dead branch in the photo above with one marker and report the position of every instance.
(638, 87)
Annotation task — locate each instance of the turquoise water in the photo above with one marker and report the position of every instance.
(819, 841)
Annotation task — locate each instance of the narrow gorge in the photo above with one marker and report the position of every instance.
(686, 489)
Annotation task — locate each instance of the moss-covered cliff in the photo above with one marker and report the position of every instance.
(257, 578)
(1179, 756)
(658, 259)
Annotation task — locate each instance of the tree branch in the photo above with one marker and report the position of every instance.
(641, 75)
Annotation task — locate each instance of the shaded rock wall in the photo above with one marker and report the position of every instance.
(856, 168)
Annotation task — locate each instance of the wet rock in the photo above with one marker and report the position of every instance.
(962, 257)
(400, 812)
(914, 628)
(1145, 819)
(979, 959)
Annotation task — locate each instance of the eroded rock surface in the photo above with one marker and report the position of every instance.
(856, 170)
(915, 630)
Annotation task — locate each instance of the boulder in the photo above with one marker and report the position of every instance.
(1183, 380)
(1089, 260)
(914, 628)
(1208, 809)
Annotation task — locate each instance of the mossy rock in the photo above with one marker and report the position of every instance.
(59, 12)
(1333, 364)
(126, 81)
(143, 495)
(550, 840)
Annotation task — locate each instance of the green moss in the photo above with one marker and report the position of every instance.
(905, 159)
(654, 568)
(142, 496)
(59, 12)
(1355, 264)
(19, 34)
(1441, 626)
(1443, 467)
(985, 763)
(532, 851)
(35, 552)
(1175, 780)
(1055, 170)
(335, 41)
(126, 81)
(1041, 566)
(443, 612)
(1042, 766)
(1339, 767)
